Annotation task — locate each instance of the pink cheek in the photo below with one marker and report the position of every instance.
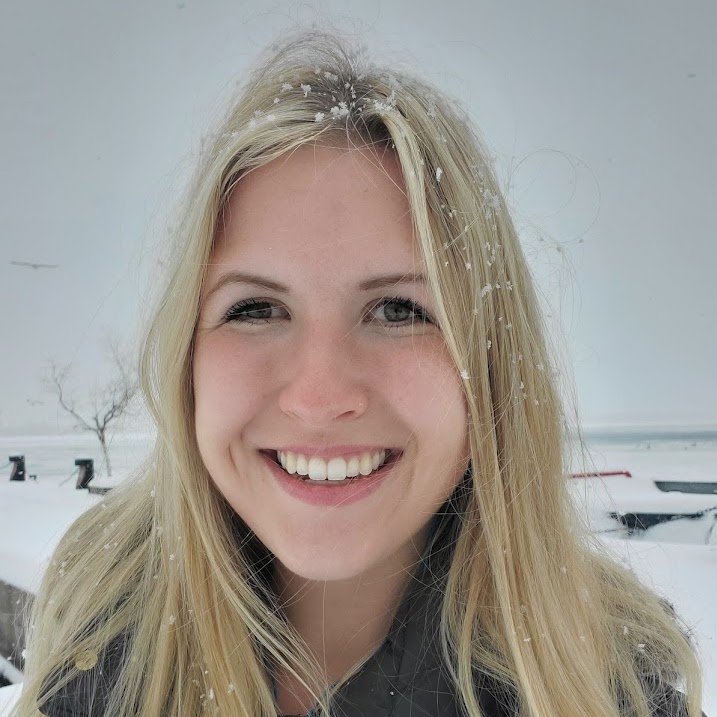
(227, 383)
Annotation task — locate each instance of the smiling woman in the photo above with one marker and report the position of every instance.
(339, 371)
(357, 501)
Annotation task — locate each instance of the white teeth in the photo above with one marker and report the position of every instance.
(300, 465)
(366, 464)
(318, 469)
(334, 469)
(352, 467)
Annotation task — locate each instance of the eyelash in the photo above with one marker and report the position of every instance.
(235, 312)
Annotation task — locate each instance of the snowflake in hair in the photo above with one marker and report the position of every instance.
(339, 111)
(306, 89)
(491, 200)
(382, 107)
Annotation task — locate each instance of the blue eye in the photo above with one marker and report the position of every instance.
(245, 312)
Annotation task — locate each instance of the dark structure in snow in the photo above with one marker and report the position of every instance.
(18, 467)
(86, 472)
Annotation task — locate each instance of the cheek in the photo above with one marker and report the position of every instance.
(427, 390)
(226, 384)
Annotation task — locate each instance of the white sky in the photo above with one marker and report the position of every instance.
(601, 116)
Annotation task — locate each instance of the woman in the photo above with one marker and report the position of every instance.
(348, 510)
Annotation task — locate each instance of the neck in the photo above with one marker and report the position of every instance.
(345, 621)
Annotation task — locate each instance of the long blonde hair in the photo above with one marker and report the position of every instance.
(164, 563)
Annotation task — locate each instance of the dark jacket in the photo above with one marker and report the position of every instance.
(404, 677)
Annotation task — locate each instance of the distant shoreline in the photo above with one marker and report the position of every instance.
(124, 435)
(657, 432)
(642, 431)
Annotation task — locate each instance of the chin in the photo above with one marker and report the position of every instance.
(326, 566)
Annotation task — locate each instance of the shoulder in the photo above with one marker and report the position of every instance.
(668, 701)
(86, 693)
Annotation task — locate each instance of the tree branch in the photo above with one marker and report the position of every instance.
(109, 404)
(58, 377)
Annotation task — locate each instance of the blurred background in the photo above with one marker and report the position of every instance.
(600, 117)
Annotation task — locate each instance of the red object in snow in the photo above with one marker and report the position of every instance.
(597, 475)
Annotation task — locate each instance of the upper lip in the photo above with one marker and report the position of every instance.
(343, 451)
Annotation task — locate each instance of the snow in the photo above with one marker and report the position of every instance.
(8, 697)
(33, 518)
(8, 671)
(677, 559)
(34, 514)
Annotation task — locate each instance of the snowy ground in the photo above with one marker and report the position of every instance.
(678, 559)
(35, 514)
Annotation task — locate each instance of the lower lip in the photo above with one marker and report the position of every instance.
(329, 493)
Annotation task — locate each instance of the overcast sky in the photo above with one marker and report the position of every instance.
(601, 117)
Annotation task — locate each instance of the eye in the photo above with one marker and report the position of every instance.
(242, 310)
(404, 305)
(254, 312)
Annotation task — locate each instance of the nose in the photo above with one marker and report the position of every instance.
(324, 380)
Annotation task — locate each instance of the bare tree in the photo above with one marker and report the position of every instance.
(109, 403)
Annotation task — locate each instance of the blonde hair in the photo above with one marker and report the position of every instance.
(166, 566)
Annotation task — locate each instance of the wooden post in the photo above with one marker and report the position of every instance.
(18, 467)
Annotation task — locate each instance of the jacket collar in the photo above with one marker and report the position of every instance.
(407, 675)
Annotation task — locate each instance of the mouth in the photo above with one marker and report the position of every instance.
(392, 457)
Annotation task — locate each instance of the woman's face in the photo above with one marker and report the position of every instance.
(325, 364)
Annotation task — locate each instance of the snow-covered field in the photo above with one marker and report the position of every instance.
(678, 559)
(34, 514)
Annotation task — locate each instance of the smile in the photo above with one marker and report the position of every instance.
(335, 470)
(331, 493)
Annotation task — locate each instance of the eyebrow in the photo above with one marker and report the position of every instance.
(240, 277)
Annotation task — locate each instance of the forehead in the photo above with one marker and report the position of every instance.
(322, 206)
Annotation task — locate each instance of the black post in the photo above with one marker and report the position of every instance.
(18, 467)
(87, 472)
